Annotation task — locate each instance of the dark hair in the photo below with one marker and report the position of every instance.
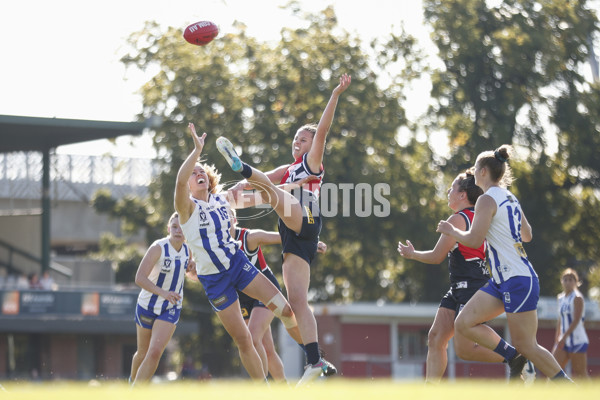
(496, 164)
(466, 183)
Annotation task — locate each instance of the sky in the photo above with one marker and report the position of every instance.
(61, 57)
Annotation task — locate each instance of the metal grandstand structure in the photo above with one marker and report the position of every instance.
(72, 177)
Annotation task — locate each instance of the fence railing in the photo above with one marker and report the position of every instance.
(73, 177)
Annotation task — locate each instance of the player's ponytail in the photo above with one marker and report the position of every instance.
(496, 162)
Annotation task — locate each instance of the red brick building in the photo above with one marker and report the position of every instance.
(390, 341)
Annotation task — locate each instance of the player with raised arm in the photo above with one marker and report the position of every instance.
(299, 219)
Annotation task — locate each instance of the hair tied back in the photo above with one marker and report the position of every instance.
(499, 156)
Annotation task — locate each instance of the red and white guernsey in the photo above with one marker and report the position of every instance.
(300, 170)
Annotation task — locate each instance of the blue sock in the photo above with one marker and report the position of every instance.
(246, 170)
(312, 353)
(561, 376)
(505, 350)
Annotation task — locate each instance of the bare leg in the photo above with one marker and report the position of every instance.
(480, 308)
(234, 324)
(275, 364)
(523, 330)
(162, 332)
(561, 356)
(440, 333)
(260, 328)
(143, 342)
(296, 277)
(471, 351)
(259, 321)
(286, 206)
(263, 289)
(579, 365)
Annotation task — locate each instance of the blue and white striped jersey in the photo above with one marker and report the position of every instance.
(506, 254)
(566, 312)
(207, 232)
(168, 273)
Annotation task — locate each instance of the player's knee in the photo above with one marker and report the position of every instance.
(435, 338)
(282, 310)
(153, 354)
(460, 325)
(243, 340)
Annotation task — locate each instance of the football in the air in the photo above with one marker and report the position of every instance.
(200, 33)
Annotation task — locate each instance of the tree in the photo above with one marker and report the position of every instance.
(506, 66)
(258, 95)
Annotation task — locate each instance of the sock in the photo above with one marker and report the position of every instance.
(312, 353)
(505, 350)
(561, 376)
(302, 347)
(246, 170)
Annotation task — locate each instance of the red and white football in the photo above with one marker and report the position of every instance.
(200, 33)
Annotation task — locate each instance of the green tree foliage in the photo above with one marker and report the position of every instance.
(514, 74)
(258, 95)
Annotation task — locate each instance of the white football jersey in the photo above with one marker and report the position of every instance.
(566, 312)
(168, 273)
(207, 232)
(506, 255)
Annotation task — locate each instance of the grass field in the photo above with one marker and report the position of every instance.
(341, 389)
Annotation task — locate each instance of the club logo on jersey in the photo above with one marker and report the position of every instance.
(461, 285)
(203, 223)
(166, 265)
(247, 267)
(506, 297)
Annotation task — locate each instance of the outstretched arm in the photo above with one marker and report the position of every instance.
(183, 204)
(441, 249)
(315, 154)
(485, 209)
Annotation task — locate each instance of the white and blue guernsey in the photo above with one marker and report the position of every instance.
(207, 232)
(168, 273)
(506, 255)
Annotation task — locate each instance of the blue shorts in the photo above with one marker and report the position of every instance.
(221, 289)
(145, 318)
(578, 348)
(247, 303)
(519, 293)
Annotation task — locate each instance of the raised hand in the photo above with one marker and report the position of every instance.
(198, 141)
(345, 81)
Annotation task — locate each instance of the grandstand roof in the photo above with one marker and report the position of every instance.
(40, 134)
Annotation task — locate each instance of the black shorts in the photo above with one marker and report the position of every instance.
(303, 244)
(247, 303)
(455, 299)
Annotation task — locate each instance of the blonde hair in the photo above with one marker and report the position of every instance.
(214, 177)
